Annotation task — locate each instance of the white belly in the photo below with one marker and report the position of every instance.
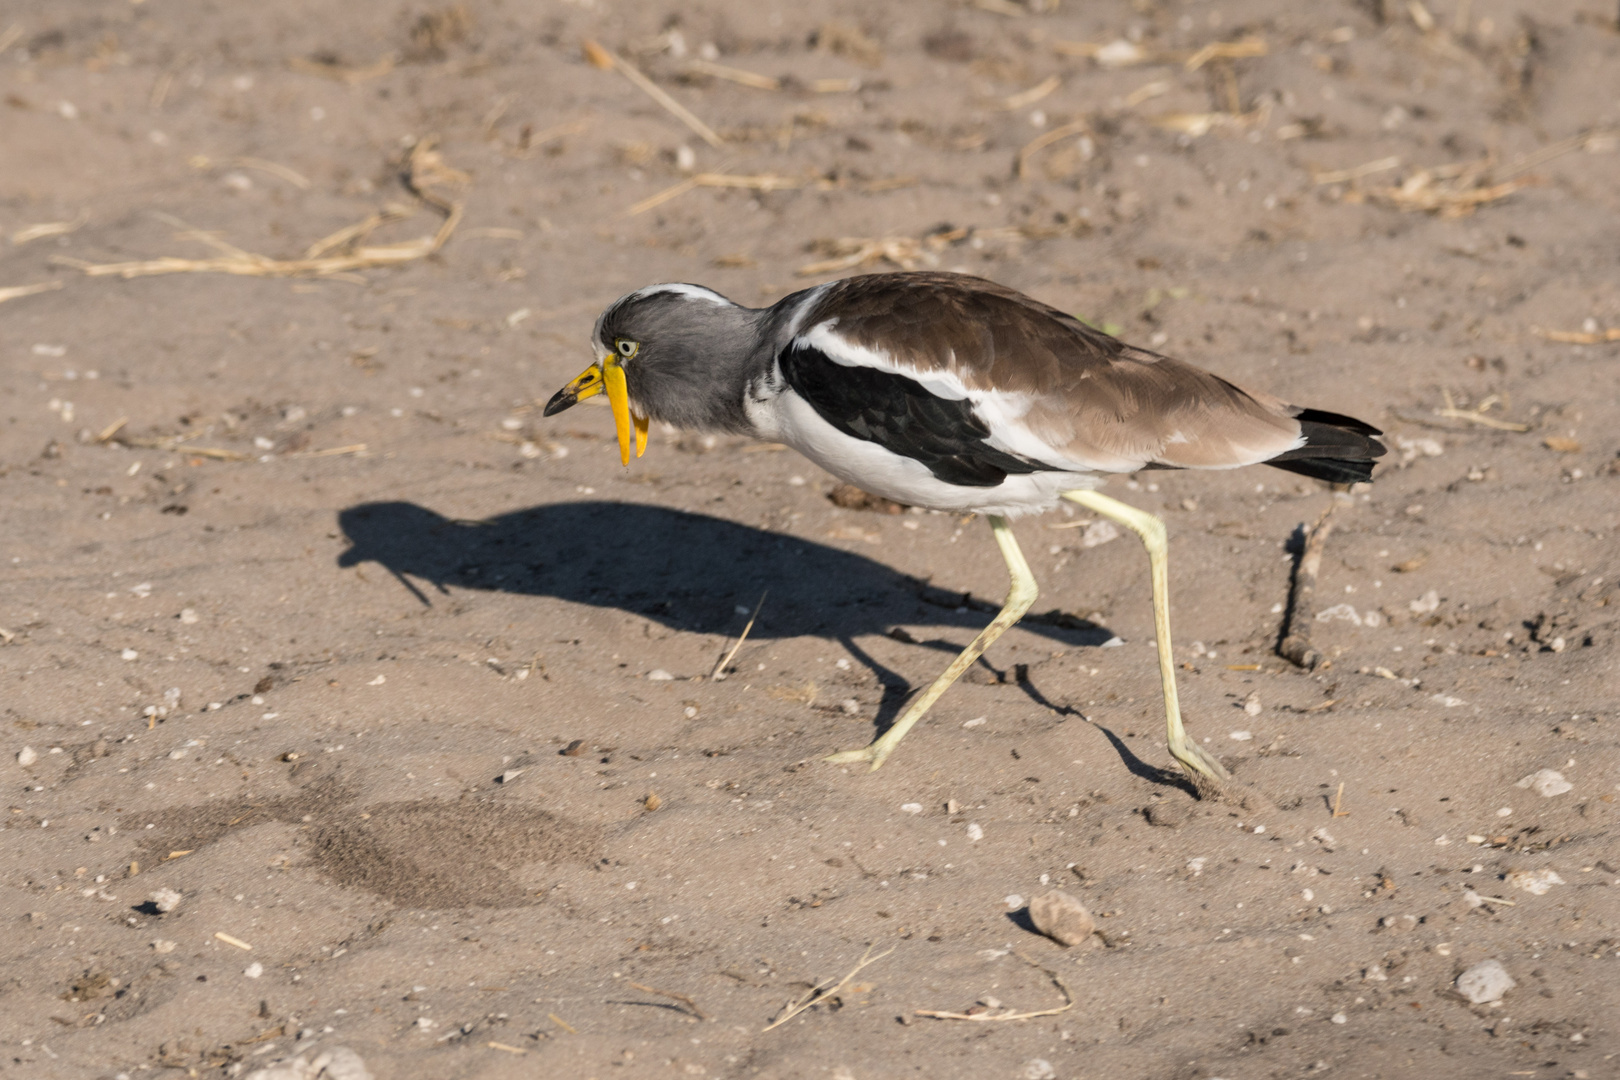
(789, 419)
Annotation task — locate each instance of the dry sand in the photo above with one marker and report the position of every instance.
(308, 638)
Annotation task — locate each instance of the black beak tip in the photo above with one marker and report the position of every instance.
(562, 399)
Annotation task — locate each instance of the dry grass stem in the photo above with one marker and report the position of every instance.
(736, 75)
(1453, 190)
(1032, 95)
(1147, 91)
(1046, 139)
(166, 442)
(1226, 50)
(16, 292)
(48, 228)
(560, 1022)
(1338, 797)
(341, 253)
(358, 450)
(1296, 644)
(990, 1015)
(1476, 415)
(672, 995)
(1197, 125)
(1579, 337)
(821, 992)
(353, 76)
(227, 939)
(602, 58)
(715, 180)
(719, 671)
(1341, 176)
(910, 253)
(492, 1046)
(296, 179)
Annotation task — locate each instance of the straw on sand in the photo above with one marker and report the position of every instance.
(340, 253)
(602, 58)
(17, 292)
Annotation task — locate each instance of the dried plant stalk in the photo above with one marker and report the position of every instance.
(602, 58)
(17, 292)
(341, 252)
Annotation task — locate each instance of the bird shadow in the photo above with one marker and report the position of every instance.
(1139, 768)
(689, 572)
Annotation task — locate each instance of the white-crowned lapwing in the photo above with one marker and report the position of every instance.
(953, 393)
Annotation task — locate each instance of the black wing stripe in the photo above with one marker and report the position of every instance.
(901, 416)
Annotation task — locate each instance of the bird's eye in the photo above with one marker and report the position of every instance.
(626, 347)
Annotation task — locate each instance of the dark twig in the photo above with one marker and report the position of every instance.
(1296, 643)
(682, 998)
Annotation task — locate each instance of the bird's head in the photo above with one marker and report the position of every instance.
(646, 345)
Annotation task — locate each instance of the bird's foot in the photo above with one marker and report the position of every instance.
(1197, 760)
(875, 753)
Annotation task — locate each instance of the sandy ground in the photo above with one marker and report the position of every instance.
(408, 688)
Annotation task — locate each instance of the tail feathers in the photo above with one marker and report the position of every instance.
(1338, 449)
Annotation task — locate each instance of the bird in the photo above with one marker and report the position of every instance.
(951, 392)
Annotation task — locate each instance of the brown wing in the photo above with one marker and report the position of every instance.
(1092, 398)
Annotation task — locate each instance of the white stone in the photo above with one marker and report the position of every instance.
(659, 675)
(1546, 783)
(27, 756)
(1535, 882)
(1485, 982)
(1013, 901)
(165, 900)
(975, 831)
(1039, 1069)
(911, 807)
(253, 970)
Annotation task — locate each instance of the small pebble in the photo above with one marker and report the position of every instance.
(1485, 982)
(1546, 783)
(254, 970)
(510, 775)
(911, 807)
(27, 756)
(129, 654)
(163, 946)
(976, 721)
(850, 706)
(659, 675)
(1535, 882)
(1340, 1018)
(1039, 1069)
(975, 831)
(1062, 917)
(1241, 736)
(165, 900)
(1252, 706)
(1013, 901)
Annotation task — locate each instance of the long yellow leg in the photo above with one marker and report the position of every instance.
(1151, 530)
(1020, 595)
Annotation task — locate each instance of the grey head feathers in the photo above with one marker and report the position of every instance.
(695, 353)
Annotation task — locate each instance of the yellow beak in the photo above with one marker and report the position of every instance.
(606, 375)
